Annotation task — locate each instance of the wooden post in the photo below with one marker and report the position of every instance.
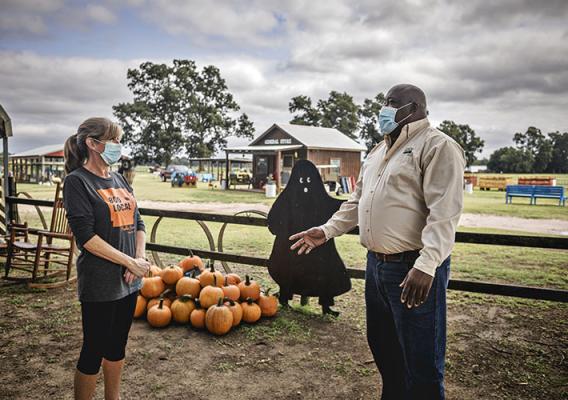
(6, 188)
(226, 170)
(277, 171)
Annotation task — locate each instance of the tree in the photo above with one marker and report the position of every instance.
(178, 108)
(369, 121)
(339, 111)
(510, 160)
(559, 160)
(306, 114)
(466, 138)
(540, 147)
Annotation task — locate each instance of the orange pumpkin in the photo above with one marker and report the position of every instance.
(211, 277)
(249, 288)
(232, 292)
(140, 309)
(156, 300)
(210, 295)
(268, 304)
(152, 286)
(191, 262)
(232, 279)
(219, 319)
(188, 285)
(197, 316)
(251, 311)
(172, 274)
(237, 311)
(159, 316)
(182, 308)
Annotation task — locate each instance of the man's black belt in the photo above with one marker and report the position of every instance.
(404, 257)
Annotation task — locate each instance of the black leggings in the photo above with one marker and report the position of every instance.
(105, 331)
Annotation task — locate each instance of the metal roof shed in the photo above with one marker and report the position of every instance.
(277, 149)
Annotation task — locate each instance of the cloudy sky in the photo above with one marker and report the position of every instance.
(498, 66)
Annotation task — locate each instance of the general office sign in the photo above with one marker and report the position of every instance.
(278, 141)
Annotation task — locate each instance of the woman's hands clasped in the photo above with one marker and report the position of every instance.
(137, 268)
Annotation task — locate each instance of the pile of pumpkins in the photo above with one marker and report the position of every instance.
(191, 293)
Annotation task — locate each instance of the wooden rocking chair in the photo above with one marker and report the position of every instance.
(43, 259)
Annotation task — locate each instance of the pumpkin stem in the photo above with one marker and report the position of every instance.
(190, 252)
(197, 303)
(185, 298)
(212, 267)
(220, 302)
(161, 305)
(247, 280)
(267, 291)
(249, 300)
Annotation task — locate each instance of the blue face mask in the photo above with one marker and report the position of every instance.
(111, 153)
(387, 124)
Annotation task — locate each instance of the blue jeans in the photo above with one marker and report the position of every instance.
(408, 345)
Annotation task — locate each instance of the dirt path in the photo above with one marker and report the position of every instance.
(546, 226)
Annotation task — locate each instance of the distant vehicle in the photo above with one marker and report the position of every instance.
(242, 175)
(188, 178)
(166, 174)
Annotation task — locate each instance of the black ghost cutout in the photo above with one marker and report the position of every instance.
(303, 204)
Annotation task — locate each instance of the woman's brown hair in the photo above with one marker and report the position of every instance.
(76, 151)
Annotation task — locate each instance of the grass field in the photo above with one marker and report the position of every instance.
(149, 187)
(535, 267)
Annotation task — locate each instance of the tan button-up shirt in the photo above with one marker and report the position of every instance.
(408, 196)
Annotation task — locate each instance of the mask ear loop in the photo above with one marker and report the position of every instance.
(409, 115)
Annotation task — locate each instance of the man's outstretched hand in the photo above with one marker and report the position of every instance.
(415, 288)
(308, 240)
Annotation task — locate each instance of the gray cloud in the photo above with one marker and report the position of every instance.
(498, 66)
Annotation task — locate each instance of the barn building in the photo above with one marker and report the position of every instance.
(280, 146)
(38, 165)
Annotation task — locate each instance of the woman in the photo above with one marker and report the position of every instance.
(105, 221)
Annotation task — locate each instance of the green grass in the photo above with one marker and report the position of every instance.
(493, 203)
(149, 187)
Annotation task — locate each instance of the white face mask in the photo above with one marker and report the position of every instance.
(112, 152)
(387, 115)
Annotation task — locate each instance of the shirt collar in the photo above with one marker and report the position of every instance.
(407, 132)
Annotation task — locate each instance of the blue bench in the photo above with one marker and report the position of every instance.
(518, 191)
(550, 192)
(534, 191)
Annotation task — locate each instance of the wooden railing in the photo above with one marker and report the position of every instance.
(215, 252)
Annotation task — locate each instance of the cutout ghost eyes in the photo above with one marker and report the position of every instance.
(308, 179)
(301, 180)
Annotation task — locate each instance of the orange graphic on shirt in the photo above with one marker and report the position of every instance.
(121, 204)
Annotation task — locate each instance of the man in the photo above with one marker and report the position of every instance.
(407, 203)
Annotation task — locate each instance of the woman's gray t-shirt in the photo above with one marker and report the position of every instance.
(105, 207)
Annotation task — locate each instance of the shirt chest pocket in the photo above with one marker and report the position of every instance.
(404, 171)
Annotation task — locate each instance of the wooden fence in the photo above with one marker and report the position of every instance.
(215, 252)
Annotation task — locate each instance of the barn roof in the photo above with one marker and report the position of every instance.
(315, 137)
(40, 151)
